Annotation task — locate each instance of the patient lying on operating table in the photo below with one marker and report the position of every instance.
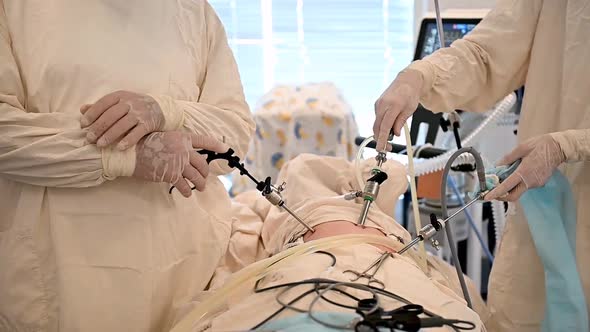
(315, 186)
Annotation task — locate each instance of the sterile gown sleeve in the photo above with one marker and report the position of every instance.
(47, 149)
(484, 66)
(221, 111)
(575, 144)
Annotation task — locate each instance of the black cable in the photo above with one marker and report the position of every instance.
(423, 322)
(318, 288)
(329, 281)
(258, 290)
(333, 286)
(452, 323)
(316, 281)
(287, 305)
(290, 304)
(350, 296)
(321, 284)
(273, 315)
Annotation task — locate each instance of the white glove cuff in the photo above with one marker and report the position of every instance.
(173, 117)
(117, 163)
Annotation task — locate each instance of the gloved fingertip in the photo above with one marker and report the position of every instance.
(84, 122)
(490, 196)
(501, 162)
(388, 147)
(509, 197)
(84, 108)
(101, 142)
(123, 145)
(379, 146)
(91, 137)
(223, 148)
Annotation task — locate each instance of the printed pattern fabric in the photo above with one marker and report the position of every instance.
(291, 120)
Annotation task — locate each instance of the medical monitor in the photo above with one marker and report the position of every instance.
(455, 28)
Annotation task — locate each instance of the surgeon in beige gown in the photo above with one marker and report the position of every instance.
(90, 238)
(543, 45)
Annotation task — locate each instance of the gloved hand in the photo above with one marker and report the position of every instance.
(171, 157)
(540, 157)
(121, 115)
(397, 103)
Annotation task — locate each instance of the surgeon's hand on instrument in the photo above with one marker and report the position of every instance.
(171, 157)
(397, 103)
(121, 115)
(540, 157)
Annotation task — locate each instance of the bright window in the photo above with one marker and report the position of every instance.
(360, 45)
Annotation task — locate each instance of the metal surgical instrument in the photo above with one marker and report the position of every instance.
(371, 189)
(425, 233)
(435, 225)
(370, 276)
(270, 192)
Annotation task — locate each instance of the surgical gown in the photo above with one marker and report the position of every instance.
(544, 46)
(83, 248)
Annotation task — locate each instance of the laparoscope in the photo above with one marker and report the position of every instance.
(266, 188)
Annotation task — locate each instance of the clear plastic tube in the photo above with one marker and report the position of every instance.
(438, 163)
(357, 162)
(253, 272)
(414, 195)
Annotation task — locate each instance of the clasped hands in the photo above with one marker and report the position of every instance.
(128, 119)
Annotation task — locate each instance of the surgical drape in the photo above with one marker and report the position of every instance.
(543, 45)
(291, 120)
(82, 247)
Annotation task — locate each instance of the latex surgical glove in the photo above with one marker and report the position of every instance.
(121, 116)
(397, 103)
(540, 158)
(171, 157)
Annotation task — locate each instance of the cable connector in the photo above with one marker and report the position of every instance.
(353, 195)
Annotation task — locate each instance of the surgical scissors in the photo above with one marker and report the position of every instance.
(370, 276)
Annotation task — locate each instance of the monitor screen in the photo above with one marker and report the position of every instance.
(428, 37)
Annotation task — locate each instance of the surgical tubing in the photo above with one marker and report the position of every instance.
(471, 222)
(357, 162)
(260, 269)
(499, 221)
(448, 228)
(438, 163)
(414, 194)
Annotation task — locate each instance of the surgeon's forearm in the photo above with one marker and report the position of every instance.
(50, 149)
(46, 149)
(486, 65)
(231, 124)
(575, 144)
